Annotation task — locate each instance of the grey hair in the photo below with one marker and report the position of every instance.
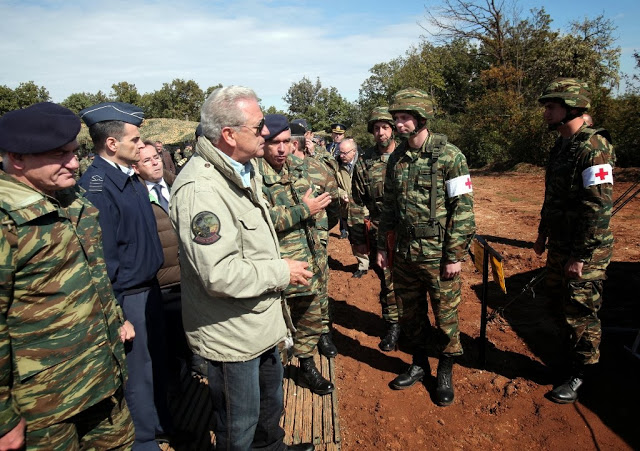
(221, 110)
(300, 139)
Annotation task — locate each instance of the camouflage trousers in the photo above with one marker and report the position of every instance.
(306, 314)
(391, 310)
(323, 292)
(580, 300)
(106, 425)
(412, 282)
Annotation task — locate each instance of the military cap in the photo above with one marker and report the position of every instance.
(303, 123)
(338, 128)
(573, 92)
(276, 123)
(38, 128)
(297, 129)
(380, 113)
(198, 131)
(112, 111)
(415, 101)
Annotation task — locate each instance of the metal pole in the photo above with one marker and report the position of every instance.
(483, 316)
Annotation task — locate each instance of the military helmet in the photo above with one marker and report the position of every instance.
(573, 92)
(380, 113)
(415, 101)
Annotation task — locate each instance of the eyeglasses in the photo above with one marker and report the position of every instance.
(258, 127)
(346, 153)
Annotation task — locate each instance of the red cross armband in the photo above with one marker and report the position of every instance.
(459, 185)
(597, 175)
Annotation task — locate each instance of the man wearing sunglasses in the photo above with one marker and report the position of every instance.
(232, 273)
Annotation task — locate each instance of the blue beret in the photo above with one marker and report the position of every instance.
(297, 129)
(39, 128)
(112, 111)
(303, 123)
(338, 128)
(276, 123)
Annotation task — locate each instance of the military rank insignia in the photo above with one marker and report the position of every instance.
(205, 227)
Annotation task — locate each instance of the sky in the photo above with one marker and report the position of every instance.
(85, 46)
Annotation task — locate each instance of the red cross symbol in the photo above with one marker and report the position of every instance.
(468, 182)
(602, 174)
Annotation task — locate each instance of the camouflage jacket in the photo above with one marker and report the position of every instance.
(324, 182)
(407, 201)
(60, 349)
(367, 188)
(578, 195)
(295, 227)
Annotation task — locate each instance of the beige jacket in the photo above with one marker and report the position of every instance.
(231, 270)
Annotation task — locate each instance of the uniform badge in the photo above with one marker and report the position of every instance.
(205, 227)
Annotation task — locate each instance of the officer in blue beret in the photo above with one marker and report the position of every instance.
(61, 326)
(133, 253)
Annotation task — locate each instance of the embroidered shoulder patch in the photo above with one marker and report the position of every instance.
(205, 227)
(95, 183)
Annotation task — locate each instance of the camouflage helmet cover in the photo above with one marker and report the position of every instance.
(415, 101)
(380, 113)
(573, 92)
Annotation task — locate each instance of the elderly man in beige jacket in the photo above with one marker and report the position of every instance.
(232, 273)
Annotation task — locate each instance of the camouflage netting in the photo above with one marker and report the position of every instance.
(170, 131)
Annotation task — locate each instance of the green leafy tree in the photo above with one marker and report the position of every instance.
(80, 100)
(179, 99)
(125, 92)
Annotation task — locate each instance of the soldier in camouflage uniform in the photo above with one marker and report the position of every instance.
(287, 189)
(428, 202)
(574, 223)
(367, 194)
(323, 181)
(62, 361)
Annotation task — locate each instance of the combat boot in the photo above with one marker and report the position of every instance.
(312, 377)
(416, 372)
(390, 341)
(567, 392)
(326, 346)
(444, 389)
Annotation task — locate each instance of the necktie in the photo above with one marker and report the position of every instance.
(161, 200)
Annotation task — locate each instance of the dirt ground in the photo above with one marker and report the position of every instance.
(502, 404)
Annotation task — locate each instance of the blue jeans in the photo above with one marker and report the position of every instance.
(247, 402)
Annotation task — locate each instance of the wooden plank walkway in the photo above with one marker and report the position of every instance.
(307, 417)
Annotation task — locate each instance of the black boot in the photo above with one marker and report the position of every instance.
(390, 341)
(312, 377)
(567, 392)
(444, 389)
(326, 346)
(416, 372)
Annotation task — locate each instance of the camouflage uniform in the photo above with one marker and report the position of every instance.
(367, 194)
(298, 238)
(61, 359)
(575, 218)
(324, 182)
(421, 248)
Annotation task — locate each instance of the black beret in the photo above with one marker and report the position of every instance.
(297, 129)
(276, 123)
(303, 123)
(39, 128)
(338, 128)
(198, 131)
(112, 111)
